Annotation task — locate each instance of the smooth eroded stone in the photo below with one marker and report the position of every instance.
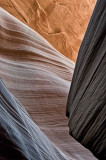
(39, 77)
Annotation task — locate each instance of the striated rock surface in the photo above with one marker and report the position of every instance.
(39, 77)
(20, 137)
(62, 22)
(86, 106)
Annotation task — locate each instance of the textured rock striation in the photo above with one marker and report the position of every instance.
(86, 106)
(39, 77)
(62, 22)
(20, 137)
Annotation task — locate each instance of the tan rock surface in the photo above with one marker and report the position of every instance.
(62, 22)
(39, 77)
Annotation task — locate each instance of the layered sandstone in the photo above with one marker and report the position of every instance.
(39, 77)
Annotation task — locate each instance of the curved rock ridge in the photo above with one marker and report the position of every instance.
(39, 76)
(20, 137)
(62, 22)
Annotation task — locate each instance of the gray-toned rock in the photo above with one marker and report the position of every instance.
(86, 106)
(20, 137)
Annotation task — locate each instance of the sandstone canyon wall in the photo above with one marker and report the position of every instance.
(39, 77)
(62, 22)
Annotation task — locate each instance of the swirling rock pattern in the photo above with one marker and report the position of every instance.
(62, 22)
(39, 77)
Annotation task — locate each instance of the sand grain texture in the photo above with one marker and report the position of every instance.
(62, 22)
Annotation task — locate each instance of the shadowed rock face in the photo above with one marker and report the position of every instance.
(39, 76)
(62, 22)
(86, 106)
